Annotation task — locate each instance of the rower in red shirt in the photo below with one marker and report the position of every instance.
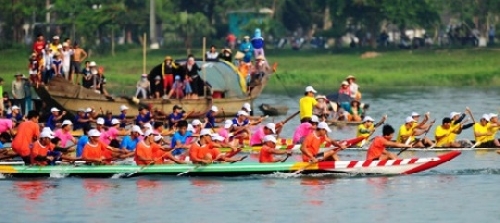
(313, 141)
(269, 149)
(377, 150)
(27, 134)
(148, 152)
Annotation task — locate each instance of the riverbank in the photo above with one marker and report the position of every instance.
(324, 69)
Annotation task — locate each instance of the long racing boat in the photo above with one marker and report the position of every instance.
(385, 167)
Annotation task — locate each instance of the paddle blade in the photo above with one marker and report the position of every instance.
(233, 153)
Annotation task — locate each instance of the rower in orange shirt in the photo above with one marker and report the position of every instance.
(40, 154)
(148, 152)
(269, 149)
(95, 151)
(27, 134)
(313, 141)
(377, 150)
(205, 151)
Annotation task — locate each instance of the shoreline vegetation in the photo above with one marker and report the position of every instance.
(321, 68)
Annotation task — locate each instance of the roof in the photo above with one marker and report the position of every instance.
(253, 10)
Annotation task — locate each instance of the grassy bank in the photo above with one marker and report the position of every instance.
(324, 69)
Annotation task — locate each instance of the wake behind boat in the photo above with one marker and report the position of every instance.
(386, 167)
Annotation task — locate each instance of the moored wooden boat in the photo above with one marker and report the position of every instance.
(267, 109)
(343, 123)
(388, 167)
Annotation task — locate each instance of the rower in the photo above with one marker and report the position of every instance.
(483, 134)
(64, 133)
(108, 118)
(176, 116)
(206, 151)
(6, 126)
(81, 120)
(312, 143)
(110, 137)
(222, 142)
(494, 128)
(4, 137)
(100, 125)
(179, 140)
(444, 134)
(408, 131)
(269, 129)
(27, 134)
(197, 126)
(96, 152)
(210, 117)
(54, 118)
(15, 115)
(456, 123)
(367, 128)
(269, 149)
(123, 116)
(377, 150)
(304, 129)
(253, 120)
(82, 141)
(421, 125)
(224, 132)
(42, 153)
(148, 152)
(143, 117)
(307, 103)
(240, 127)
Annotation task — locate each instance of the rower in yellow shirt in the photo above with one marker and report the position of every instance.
(482, 133)
(494, 128)
(307, 103)
(409, 130)
(444, 134)
(367, 128)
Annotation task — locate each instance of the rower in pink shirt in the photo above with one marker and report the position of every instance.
(305, 129)
(224, 132)
(112, 132)
(5, 125)
(258, 137)
(64, 133)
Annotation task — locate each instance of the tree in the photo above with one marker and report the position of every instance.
(190, 25)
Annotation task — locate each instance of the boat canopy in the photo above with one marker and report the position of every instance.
(223, 77)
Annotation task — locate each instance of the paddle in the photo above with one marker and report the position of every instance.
(144, 167)
(198, 165)
(426, 131)
(312, 163)
(384, 118)
(284, 160)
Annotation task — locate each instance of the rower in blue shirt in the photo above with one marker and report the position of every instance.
(81, 120)
(180, 138)
(176, 116)
(210, 117)
(123, 116)
(129, 143)
(143, 117)
(107, 120)
(54, 118)
(82, 141)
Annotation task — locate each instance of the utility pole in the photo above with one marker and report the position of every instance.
(47, 18)
(152, 25)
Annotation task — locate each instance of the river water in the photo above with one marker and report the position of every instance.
(462, 190)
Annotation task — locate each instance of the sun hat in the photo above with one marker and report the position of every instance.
(413, 114)
(368, 119)
(344, 83)
(314, 119)
(89, 110)
(15, 107)
(115, 121)
(190, 128)
(214, 108)
(269, 138)
(137, 129)
(46, 134)
(149, 132)
(492, 115)
(144, 75)
(168, 58)
(350, 77)
(205, 132)
(94, 133)
(247, 106)
(453, 114)
(47, 129)
(54, 109)
(486, 117)
(242, 113)
(217, 137)
(55, 37)
(92, 64)
(123, 108)
(323, 125)
(157, 138)
(100, 121)
(409, 119)
(147, 126)
(320, 97)
(196, 122)
(228, 123)
(310, 89)
(271, 126)
(67, 122)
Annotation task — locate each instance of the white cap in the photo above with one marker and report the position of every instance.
(94, 133)
(205, 132)
(55, 37)
(247, 106)
(217, 137)
(54, 109)
(59, 47)
(214, 108)
(272, 127)
(47, 129)
(65, 44)
(67, 122)
(323, 125)
(314, 118)
(88, 110)
(486, 116)
(15, 107)
(115, 121)
(149, 132)
(81, 110)
(409, 119)
(228, 123)
(158, 138)
(190, 128)
(310, 88)
(492, 115)
(137, 129)
(368, 119)
(269, 138)
(344, 83)
(123, 107)
(414, 114)
(196, 122)
(452, 114)
(148, 126)
(45, 134)
(100, 121)
(242, 113)
(144, 75)
(92, 63)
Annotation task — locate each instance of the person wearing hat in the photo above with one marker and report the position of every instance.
(177, 115)
(57, 64)
(96, 152)
(123, 116)
(353, 88)
(483, 132)
(247, 48)
(226, 55)
(268, 151)
(322, 109)
(367, 128)
(307, 104)
(269, 129)
(456, 123)
(82, 119)
(377, 149)
(18, 92)
(193, 83)
(409, 130)
(143, 117)
(41, 154)
(168, 68)
(54, 117)
(64, 133)
(258, 43)
(110, 136)
(82, 141)
(148, 152)
(494, 127)
(180, 139)
(142, 87)
(55, 44)
(15, 115)
(311, 145)
(422, 126)
(99, 125)
(224, 132)
(205, 151)
(27, 133)
(197, 126)
(212, 54)
(241, 126)
(443, 133)
(304, 129)
(210, 119)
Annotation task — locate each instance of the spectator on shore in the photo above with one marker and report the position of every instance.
(79, 55)
(39, 44)
(55, 45)
(18, 93)
(491, 34)
(231, 41)
(247, 49)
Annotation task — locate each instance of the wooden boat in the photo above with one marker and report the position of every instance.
(227, 94)
(386, 167)
(343, 123)
(267, 109)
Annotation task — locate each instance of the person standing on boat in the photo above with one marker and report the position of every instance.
(180, 138)
(304, 129)
(64, 133)
(367, 128)
(212, 54)
(191, 70)
(353, 88)
(444, 132)
(27, 133)
(54, 118)
(307, 103)
(409, 130)
(168, 68)
(79, 55)
(312, 143)
(67, 53)
(247, 48)
(143, 117)
(377, 150)
(269, 129)
(268, 151)
(210, 118)
(148, 152)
